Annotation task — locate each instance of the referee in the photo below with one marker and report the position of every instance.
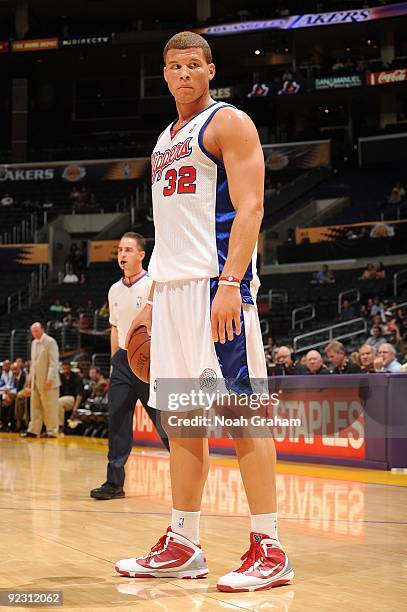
(127, 297)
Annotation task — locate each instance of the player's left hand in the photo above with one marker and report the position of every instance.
(226, 308)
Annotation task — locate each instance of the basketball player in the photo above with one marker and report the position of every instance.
(208, 175)
(126, 297)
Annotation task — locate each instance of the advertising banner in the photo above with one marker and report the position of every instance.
(86, 41)
(3, 46)
(102, 250)
(23, 254)
(39, 44)
(338, 82)
(74, 172)
(308, 20)
(223, 93)
(375, 229)
(337, 410)
(302, 155)
(386, 77)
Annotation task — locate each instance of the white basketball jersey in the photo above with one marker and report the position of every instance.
(192, 209)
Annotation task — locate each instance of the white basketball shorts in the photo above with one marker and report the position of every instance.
(182, 346)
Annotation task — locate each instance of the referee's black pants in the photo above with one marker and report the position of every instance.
(124, 391)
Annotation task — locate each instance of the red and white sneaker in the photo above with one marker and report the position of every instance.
(265, 565)
(174, 556)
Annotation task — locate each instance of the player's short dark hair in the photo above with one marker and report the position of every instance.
(66, 363)
(141, 241)
(98, 370)
(186, 40)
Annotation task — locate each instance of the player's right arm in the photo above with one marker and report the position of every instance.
(143, 318)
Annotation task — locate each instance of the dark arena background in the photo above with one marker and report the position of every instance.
(82, 102)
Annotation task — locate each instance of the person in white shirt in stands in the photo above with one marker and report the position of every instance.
(71, 277)
(6, 377)
(387, 354)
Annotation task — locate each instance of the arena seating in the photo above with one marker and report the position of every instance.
(300, 292)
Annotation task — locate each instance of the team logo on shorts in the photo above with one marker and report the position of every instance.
(207, 379)
(257, 537)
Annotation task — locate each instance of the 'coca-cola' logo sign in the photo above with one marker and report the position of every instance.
(387, 76)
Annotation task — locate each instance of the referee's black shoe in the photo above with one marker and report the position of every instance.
(107, 491)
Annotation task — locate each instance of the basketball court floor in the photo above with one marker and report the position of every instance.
(344, 529)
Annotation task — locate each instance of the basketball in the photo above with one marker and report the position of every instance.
(138, 353)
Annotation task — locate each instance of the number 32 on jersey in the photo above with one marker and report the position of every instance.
(181, 181)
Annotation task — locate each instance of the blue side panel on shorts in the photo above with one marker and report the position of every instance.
(232, 356)
(224, 211)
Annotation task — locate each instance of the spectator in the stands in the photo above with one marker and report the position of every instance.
(7, 200)
(104, 310)
(387, 359)
(377, 321)
(391, 328)
(67, 308)
(325, 276)
(340, 364)
(377, 308)
(6, 377)
(380, 270)
(89, 308)
(314, 363)
(348, 311)
(377, 339)
(291, 235)
(369, 273)
(82, 199)
(68, 320)
(23, 365)
(81, 257)
(285, 362)
(351, 234)
(9, 416)
(74, 197)
(367, 354)
(70, 277)
(269, 349)
(56, 307)
(382, 230)
(338, 65)
(97, 382)
(400, 318)
(397, 194)
(71, 393)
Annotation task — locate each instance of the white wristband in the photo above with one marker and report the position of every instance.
(149, 302)
(230, 283)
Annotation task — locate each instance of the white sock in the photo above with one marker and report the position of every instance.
(186, 524)
(265, 523)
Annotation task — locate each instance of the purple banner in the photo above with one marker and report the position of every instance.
(308, 20)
